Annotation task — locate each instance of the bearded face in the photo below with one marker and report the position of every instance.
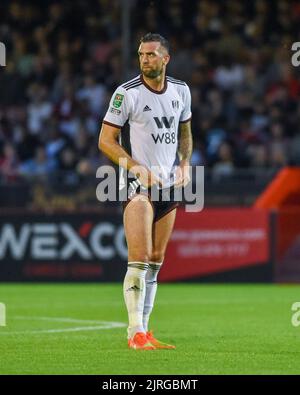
(153, 59)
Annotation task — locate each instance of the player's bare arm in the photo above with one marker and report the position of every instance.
(109, 145)
(185, 149)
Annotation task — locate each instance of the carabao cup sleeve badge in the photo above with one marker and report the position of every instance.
(118, 100)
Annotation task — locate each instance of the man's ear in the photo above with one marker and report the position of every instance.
(166, 59)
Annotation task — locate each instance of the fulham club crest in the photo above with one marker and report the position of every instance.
(175, 104)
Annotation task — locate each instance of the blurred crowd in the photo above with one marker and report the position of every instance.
(64, 61)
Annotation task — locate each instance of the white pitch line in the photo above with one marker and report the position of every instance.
(101, 325)
(60, 319)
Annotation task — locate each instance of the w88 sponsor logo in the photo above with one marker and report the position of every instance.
(166, 137)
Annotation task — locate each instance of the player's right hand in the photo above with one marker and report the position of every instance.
(146, 177)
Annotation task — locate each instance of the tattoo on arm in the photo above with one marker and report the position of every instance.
(185, 144)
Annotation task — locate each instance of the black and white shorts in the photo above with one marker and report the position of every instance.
(162, 200)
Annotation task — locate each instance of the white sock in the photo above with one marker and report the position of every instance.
(151, 288)
(134, 289)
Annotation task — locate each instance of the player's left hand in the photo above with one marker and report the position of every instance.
(182, 174)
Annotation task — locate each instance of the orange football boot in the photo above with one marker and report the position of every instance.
(140, 342)
(158, 344)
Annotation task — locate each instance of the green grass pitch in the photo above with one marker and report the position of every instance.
(218, 329)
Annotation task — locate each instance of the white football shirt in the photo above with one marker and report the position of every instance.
(153, 117)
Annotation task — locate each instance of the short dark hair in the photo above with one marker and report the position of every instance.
(150, 37)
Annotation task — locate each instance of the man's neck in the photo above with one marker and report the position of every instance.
(157, 83)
